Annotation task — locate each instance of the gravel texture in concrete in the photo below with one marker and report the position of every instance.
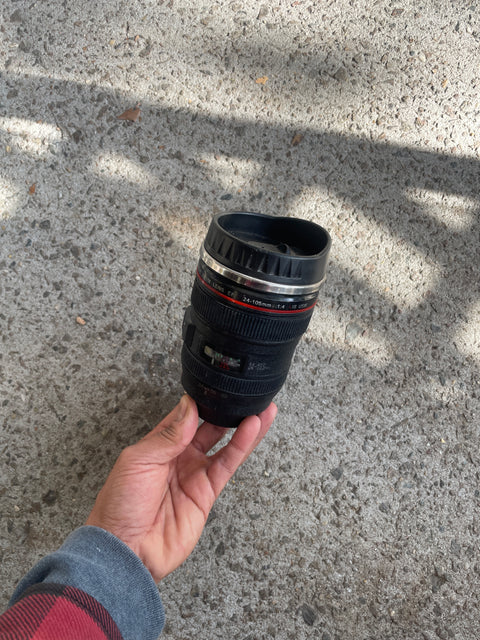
(358, 516)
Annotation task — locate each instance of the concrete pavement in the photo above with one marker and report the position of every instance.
(357, 517)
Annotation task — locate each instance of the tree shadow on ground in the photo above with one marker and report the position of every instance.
(176, 155)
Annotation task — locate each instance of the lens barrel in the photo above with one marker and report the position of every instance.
(254, 292)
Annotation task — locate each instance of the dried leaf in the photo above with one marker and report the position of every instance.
(130, 114)
(297, 138)
(261, 80)
(32, 189)
(80, 321)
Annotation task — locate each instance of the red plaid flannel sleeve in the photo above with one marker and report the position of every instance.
(57, 612)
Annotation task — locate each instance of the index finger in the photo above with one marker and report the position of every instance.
(246, 437)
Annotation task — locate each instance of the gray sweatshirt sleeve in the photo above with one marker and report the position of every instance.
(98, 563)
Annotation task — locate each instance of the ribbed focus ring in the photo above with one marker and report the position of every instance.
(229, 384)
(245, 323)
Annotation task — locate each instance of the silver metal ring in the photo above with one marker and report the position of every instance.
(256, 283)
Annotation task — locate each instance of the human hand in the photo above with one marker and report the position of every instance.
(160, 491)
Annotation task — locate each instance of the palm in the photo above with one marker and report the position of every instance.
(159, 494)
(176, 527)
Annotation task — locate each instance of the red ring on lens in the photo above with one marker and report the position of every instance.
(251, 306)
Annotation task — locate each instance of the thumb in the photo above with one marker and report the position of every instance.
(175, 432)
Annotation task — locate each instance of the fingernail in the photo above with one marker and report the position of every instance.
(181, 409)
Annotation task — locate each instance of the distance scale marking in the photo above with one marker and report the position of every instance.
(221, 360)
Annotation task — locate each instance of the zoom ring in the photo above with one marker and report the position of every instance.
(244, 323)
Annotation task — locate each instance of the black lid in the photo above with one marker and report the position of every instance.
(276, 249)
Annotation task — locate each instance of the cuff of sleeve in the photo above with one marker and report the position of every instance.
(97, 562)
